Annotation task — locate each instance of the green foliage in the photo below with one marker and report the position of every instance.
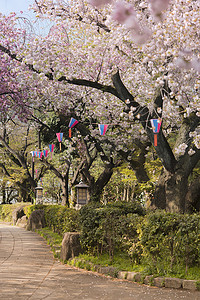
(123, 179)
(169, 241)
(81, 263)
(51, 185)
(106, 229)
(165, 243)
(59, 218)
(124, 236)
(29, 209)
(7, 209)
(52, 237)
(121, 261)
(198, 285)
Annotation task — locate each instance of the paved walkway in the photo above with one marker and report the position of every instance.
(29, 271)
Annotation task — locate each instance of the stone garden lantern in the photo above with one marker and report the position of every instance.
(82, 194)
(39, 194)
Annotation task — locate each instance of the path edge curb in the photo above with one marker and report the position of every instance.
(150, 280)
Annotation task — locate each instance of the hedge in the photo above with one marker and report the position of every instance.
(170, 241)
(165, 242)
(109, 228)
(59, 218)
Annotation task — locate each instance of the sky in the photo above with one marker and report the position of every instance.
(18, 6)
(7, 6)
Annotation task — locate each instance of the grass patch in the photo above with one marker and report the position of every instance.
(120, 261)
(193, 273)
(53, 239)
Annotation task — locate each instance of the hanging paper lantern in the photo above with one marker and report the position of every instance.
(102, 129)
(33, 153)
(45, 153)
(51, 148)
(72, 123)
(60, 137)
(155, 124)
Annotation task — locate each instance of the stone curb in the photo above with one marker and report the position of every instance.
(173, 283)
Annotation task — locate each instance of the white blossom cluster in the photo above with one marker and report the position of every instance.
(147, 41)
(180, 150)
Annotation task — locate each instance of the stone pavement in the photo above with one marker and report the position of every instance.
(28, 270)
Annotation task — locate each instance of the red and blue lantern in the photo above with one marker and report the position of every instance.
(156, 124)
(45, 153)
(72, 123)
(33, 153)
(51, 148)
(102, 129)
(60, 137)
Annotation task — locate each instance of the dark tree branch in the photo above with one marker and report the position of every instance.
(78, 169)
(92, 84)
(53, 169)
(7, 93)
(5, 171)
(163, 149)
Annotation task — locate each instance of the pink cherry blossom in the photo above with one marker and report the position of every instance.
(124, 13)
(85, 48)
(99, 3)
(158, 6)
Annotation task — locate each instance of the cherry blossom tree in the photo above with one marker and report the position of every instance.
(84, 149)
(14, 163)
(12, 94)
(129, 62)
(153, 85)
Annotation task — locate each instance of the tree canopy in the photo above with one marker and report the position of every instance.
(121, 64)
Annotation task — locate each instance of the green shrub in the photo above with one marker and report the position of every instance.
(170, 241)
(188, 239)
(59, 218)
(29, 209)
(167, 243)
(110, 228)
(1, 206)
(7, 209)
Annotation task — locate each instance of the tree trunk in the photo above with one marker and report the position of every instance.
(128, 194)
(124, 194)
(97, 187)
(193, 196)
(170, 193)
(64, 195)
(3, 194)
